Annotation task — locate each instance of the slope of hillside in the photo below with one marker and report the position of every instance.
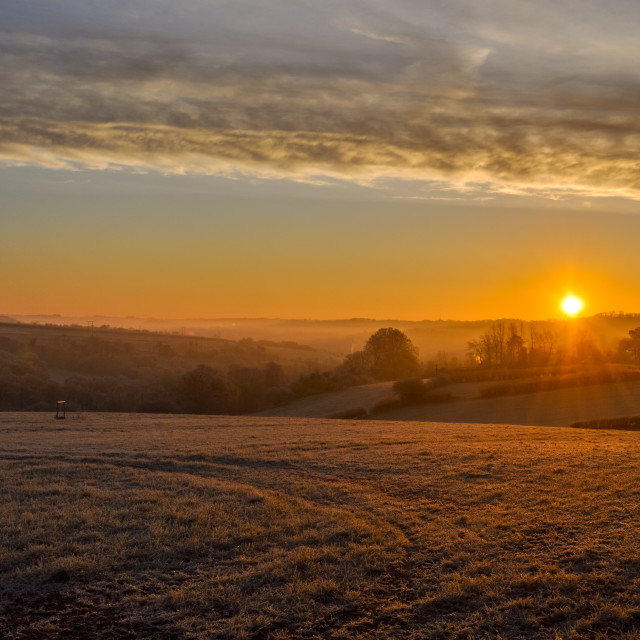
(557, 408)
(152, 527)
(325, 405)
(106, 369)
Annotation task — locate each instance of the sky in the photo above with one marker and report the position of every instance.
(370, 158)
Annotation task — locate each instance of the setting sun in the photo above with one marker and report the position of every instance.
(572, 305)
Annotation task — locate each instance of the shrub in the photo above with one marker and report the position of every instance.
(417, 391)
(410, 390)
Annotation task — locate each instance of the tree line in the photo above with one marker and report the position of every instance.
(93, 374)
(533, 344)
(98, 375)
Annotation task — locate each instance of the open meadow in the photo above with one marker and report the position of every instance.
(150, 526)
(558, 407)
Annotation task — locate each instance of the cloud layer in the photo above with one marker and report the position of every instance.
(510, 94)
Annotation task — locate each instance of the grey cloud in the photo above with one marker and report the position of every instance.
(361, 91)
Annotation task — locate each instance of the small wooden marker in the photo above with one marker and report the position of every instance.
(61, 411)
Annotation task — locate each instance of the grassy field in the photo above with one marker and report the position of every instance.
(324, 405)
(131, 526)
(555, 407)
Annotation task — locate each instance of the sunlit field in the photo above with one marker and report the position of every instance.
(138, 526)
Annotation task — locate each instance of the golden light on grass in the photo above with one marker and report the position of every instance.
(572, 305)
(136, 546)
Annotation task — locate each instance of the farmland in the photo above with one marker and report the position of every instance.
(116, 525)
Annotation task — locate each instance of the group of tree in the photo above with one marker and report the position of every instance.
(99, 375)
(629, 348)
(387, 355)
(500, 346)
(96, 374)
(102, 375)
(534, 344)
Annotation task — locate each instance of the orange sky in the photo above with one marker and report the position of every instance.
(458, 160)
(310, 256)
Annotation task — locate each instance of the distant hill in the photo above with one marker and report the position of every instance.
(114, 369)
(146, 340)
(434, 338)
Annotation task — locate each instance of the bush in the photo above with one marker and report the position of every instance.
(410, 390)
(417, 391)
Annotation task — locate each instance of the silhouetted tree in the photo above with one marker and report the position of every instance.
(204, 390)
(357, 363)
(481, 351)
(630, 346)
(391, 354)
(516, 351)
(493, 349)
(497, 342)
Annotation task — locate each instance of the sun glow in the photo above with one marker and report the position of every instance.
(572, 305)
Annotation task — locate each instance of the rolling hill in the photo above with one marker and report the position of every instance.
(557, 408)
(158, 527)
